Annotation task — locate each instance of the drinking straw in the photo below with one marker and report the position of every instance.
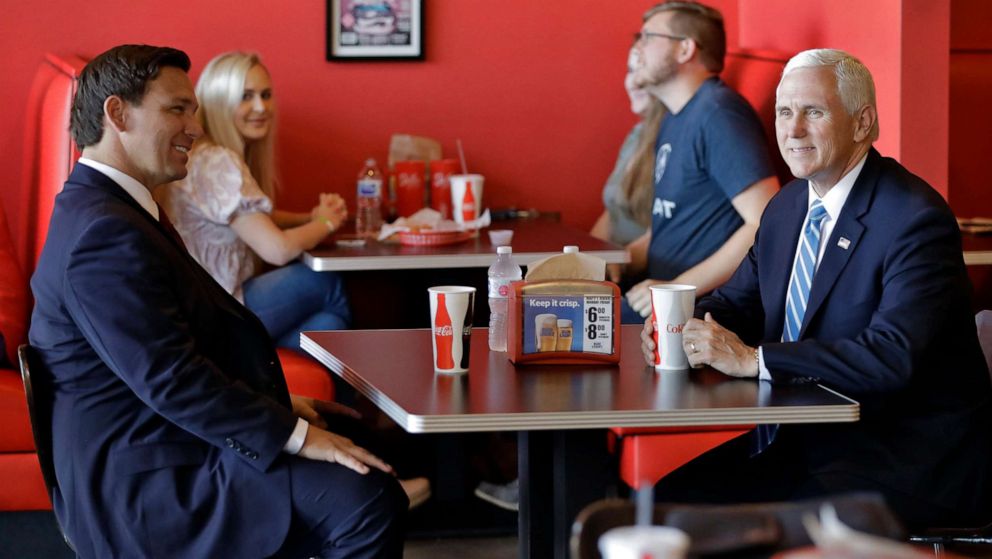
(645, 504)
(461, 155)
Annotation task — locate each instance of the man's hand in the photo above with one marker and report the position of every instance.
(311, 410)
(707, 343)
(639, 297)
(329, 447)
(647, 342)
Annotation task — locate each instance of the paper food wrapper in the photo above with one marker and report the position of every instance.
(574, 265)
(405, 147)
(427, 218)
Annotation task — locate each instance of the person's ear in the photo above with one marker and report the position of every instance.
(687, 50)
(864, 122)
(115, 111)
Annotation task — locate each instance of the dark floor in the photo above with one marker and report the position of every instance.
(34, 535)
(31, 535)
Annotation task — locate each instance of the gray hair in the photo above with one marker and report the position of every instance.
(854, 82)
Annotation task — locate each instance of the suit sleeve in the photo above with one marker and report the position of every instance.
(736, 305)
(922, 286)
(125, 300)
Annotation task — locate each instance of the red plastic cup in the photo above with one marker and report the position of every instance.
(410, 188)
(440, 170)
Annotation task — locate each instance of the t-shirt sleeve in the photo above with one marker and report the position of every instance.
(223, 186)
(735, 150)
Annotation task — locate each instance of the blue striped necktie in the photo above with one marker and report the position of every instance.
(797, 298)
(802, 273)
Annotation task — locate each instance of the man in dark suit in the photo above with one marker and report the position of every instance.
(174, 434)
(855, 281)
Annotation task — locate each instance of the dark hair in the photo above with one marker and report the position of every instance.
(702, 24)
(123, 71)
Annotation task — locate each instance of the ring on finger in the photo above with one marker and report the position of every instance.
(692, 347)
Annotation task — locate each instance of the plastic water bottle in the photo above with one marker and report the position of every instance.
(368, 218)
(503, 272)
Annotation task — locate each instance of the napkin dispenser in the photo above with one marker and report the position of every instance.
(566, 321)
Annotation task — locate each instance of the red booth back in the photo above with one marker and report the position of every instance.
(755, 75)
(49, 152)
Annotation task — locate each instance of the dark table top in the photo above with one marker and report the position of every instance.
(532, 240)
(394, 369)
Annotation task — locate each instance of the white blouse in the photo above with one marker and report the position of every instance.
(217, 189)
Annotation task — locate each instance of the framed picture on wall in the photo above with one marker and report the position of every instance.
(375, 30)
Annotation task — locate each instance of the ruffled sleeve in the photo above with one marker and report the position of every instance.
(223, 185)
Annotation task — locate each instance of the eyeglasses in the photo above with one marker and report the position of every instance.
(643, 35)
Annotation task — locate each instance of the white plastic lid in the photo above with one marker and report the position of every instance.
(504, 250)
(570, 249)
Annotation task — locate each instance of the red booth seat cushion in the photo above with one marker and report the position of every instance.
(23, 488)
(15, 426)
(306, 377)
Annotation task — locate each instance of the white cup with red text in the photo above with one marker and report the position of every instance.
(644, 542)
(451, 326)
(466, 197)
(671, 306)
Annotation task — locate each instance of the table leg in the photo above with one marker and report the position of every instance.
(534, 455)
(560, 473)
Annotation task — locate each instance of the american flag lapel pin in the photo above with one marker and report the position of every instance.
(844, 243)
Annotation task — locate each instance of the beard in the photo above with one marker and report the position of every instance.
(652, 75)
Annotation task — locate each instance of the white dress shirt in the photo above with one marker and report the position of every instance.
(144, 199)
(833, 202)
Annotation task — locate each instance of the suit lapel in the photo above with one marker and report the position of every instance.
(849, 227)
(82, 174)
(782, 250)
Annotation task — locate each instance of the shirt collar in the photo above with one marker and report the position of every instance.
(130, 185)
(833, 200)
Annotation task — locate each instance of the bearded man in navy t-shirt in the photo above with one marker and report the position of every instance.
(713, 174)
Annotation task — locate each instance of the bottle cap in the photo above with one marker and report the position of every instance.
(570, 249)
(504, 250)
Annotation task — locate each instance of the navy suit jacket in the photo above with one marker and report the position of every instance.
(889, 323)
(170, 408)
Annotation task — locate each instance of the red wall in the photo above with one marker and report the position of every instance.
(970, 124)
(533, 89)
(904, 43)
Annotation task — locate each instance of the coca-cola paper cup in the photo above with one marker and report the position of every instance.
(671, 307)
(640, 542)
(466, 197)
(451, 326)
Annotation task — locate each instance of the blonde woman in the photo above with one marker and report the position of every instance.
(224, 209)
(629, 189)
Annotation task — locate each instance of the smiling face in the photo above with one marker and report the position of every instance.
(158, 134)
(819, 140)
(253, 115)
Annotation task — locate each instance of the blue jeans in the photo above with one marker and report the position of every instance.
(295, 298)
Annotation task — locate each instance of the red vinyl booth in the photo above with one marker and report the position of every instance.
(23, 488)
(49, 157)
(648, 454)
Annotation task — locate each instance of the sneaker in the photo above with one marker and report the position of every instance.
(417, 489)
(506, 496)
